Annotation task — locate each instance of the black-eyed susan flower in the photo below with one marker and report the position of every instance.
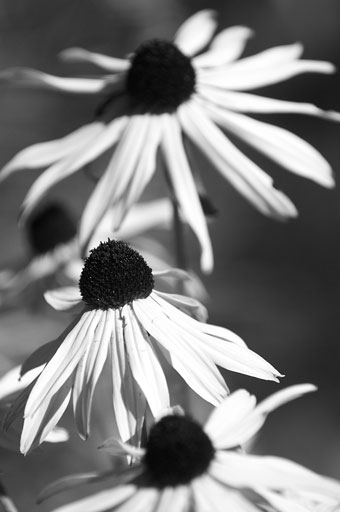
(185, 467)
(167, 91)
(124, 322)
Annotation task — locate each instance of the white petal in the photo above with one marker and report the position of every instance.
(282, 503)
(32, 77)
(103, 61)
(12, 382)
(57, 435)
(226, 47)
(188, 305)
(145, 499)
(252, 103)
(265, 68)
(64, 361)
(282, 146)
(115, 181)
(84, 154)
(88, 373)
(191, 363)
(174, 499)
(63, 299)
(101, 501)
(232, 356)
(196, 32)
(275, 473)
(142, 174)
(184, 187)
(46, 153)
(38, 425)
(128, 401)
(243, 174)
(284, 396)
(144, 364)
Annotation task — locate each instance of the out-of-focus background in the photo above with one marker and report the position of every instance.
(275, 284)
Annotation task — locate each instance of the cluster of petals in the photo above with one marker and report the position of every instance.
(234, 480)
(217, 107)
(136, 340)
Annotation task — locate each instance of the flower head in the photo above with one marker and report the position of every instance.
(125, 321)
(167, 91)
(186, 467)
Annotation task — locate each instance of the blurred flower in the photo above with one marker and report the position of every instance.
(124, 321)
(11, 385)
(55, 258)
(51, 237)
(185, 466)
(163, 92)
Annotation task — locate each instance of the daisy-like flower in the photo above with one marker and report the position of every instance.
(51, 236)
(186, 467)
(11, 385)
(167, 91)
(124, 321)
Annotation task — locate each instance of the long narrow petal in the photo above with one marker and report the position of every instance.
(47, 153)
(101, 501)
(252, 471)
(34, 78)
(188, 305)
(191, 363)
(255, 104)
(39, 425)
(232, 356)
(144, 364)
(282, 503)
(63, 363)
(174, 499)
(250, 181)
(184, 187)
(103, 61)
(64, 298)
(128, 400)
(282, 146)
(226, 47)
(115, 181)
(142, 174)
(196, 32)
(88, 373)
(64, 168)
(271, 68)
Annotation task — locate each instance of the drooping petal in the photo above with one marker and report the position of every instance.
(174, 499)
(282, 146)
(63, 363)
(250, 181)
(144, 364)
(64, 298)
(128, 400)
(275, 473)
(188, 305)
(141, 176)
(191, 363)
(265, 68)
(64, 168)
(47, 153)
(115, 181)
(196, 32)
(101, 501)
(184, 186)
(88, 372)
(38, 425)
(232, 356)
(282, 503)
(254, 104)
(226, 47)
(103, 61)
(34, 78)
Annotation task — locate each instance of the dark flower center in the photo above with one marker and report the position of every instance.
(177, 451)
(50, 227)
(114, 275)
(161, 77)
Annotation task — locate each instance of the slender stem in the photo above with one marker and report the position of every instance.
(6, 504)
